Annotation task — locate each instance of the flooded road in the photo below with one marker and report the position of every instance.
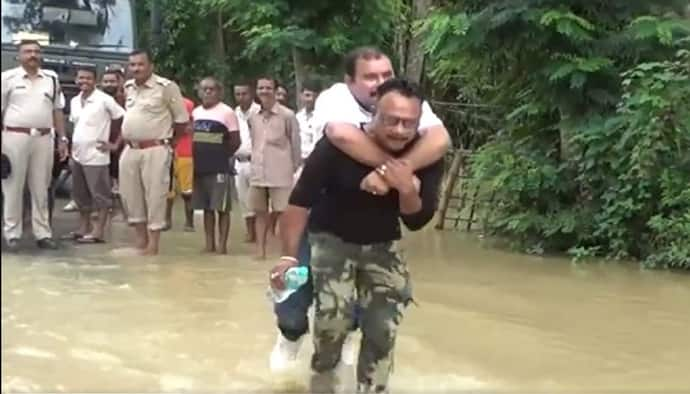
(90, 321)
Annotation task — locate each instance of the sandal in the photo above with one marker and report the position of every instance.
(90, 239)
(72, 236)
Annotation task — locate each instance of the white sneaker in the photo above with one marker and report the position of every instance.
(347, 354)
(284, 353)
(70, 207)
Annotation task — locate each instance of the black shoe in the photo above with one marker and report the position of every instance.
(12, 245)
(47, 243)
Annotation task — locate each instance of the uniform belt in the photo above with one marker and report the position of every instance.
(27, 130)
(144, 144)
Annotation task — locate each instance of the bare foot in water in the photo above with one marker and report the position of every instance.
(148, 252)
(125, 252)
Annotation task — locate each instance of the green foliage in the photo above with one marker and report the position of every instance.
(590, 146)
(241, 39)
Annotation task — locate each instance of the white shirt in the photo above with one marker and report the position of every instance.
(337, 104)
(310, 131)
(30, 103)
(91, 125)
(242, 117)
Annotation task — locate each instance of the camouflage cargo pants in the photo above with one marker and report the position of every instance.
(373, 275)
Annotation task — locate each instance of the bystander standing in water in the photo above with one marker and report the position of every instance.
(94, 114)
(276, 156)
(32, 105)
(155, 116)
(246, 107)
(216, 139)
(182, 177)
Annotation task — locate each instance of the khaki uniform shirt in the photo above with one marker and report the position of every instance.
(30, 103)
(152, 108)
(276, 149)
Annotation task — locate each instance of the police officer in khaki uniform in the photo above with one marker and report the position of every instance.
(31, 117)
(155, 115)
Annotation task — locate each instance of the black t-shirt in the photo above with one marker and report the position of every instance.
(330, 187)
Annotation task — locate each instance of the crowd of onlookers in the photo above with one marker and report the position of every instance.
(212, 153)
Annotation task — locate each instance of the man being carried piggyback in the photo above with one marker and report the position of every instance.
(355, 234)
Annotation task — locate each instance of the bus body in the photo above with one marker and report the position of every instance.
(72, 33)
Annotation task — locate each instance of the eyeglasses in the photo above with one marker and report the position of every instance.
(392, 121)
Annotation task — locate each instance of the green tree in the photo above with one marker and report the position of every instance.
(292, 40)
(576, 162)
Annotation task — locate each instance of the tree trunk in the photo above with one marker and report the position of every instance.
(220, 37)
(300, 72)
(415, 52)
(156, 25)
(401, 39)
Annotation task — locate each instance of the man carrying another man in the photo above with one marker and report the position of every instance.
(354, 236)
(346, 108)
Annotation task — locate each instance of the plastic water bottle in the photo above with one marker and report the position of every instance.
(294, 278)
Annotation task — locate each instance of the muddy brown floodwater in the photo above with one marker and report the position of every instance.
(86, 319)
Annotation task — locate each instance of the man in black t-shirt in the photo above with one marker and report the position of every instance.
(354, 236)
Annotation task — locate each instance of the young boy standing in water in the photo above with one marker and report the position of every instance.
(354, 236)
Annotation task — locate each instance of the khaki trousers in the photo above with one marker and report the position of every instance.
(144, 185)
(31, 158)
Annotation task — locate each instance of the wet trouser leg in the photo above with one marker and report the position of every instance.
(384, 290)
(334, 274)
(293, 321)
(379, 278)
(292, 314)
